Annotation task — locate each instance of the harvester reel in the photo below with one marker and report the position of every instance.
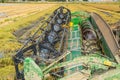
(43, 47)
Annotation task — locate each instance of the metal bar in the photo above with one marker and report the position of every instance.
(57, 60)
(61, 42)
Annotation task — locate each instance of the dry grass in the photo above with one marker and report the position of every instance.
(7, 73)
(14, 11)
(7, 39)
(110, 7)
(111, 16)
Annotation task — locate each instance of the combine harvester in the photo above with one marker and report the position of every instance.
(70, 46)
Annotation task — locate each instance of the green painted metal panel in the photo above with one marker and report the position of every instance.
(96, 63)
(74, 42)
(31, 70)
(107, 51)
(79, 17)
(75, 36)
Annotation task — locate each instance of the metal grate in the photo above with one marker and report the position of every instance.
(74, 39)
(74, 42)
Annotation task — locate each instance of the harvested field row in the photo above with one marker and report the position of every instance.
(105, 6)
(12, 12)
(110, 17)
(25, 9)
